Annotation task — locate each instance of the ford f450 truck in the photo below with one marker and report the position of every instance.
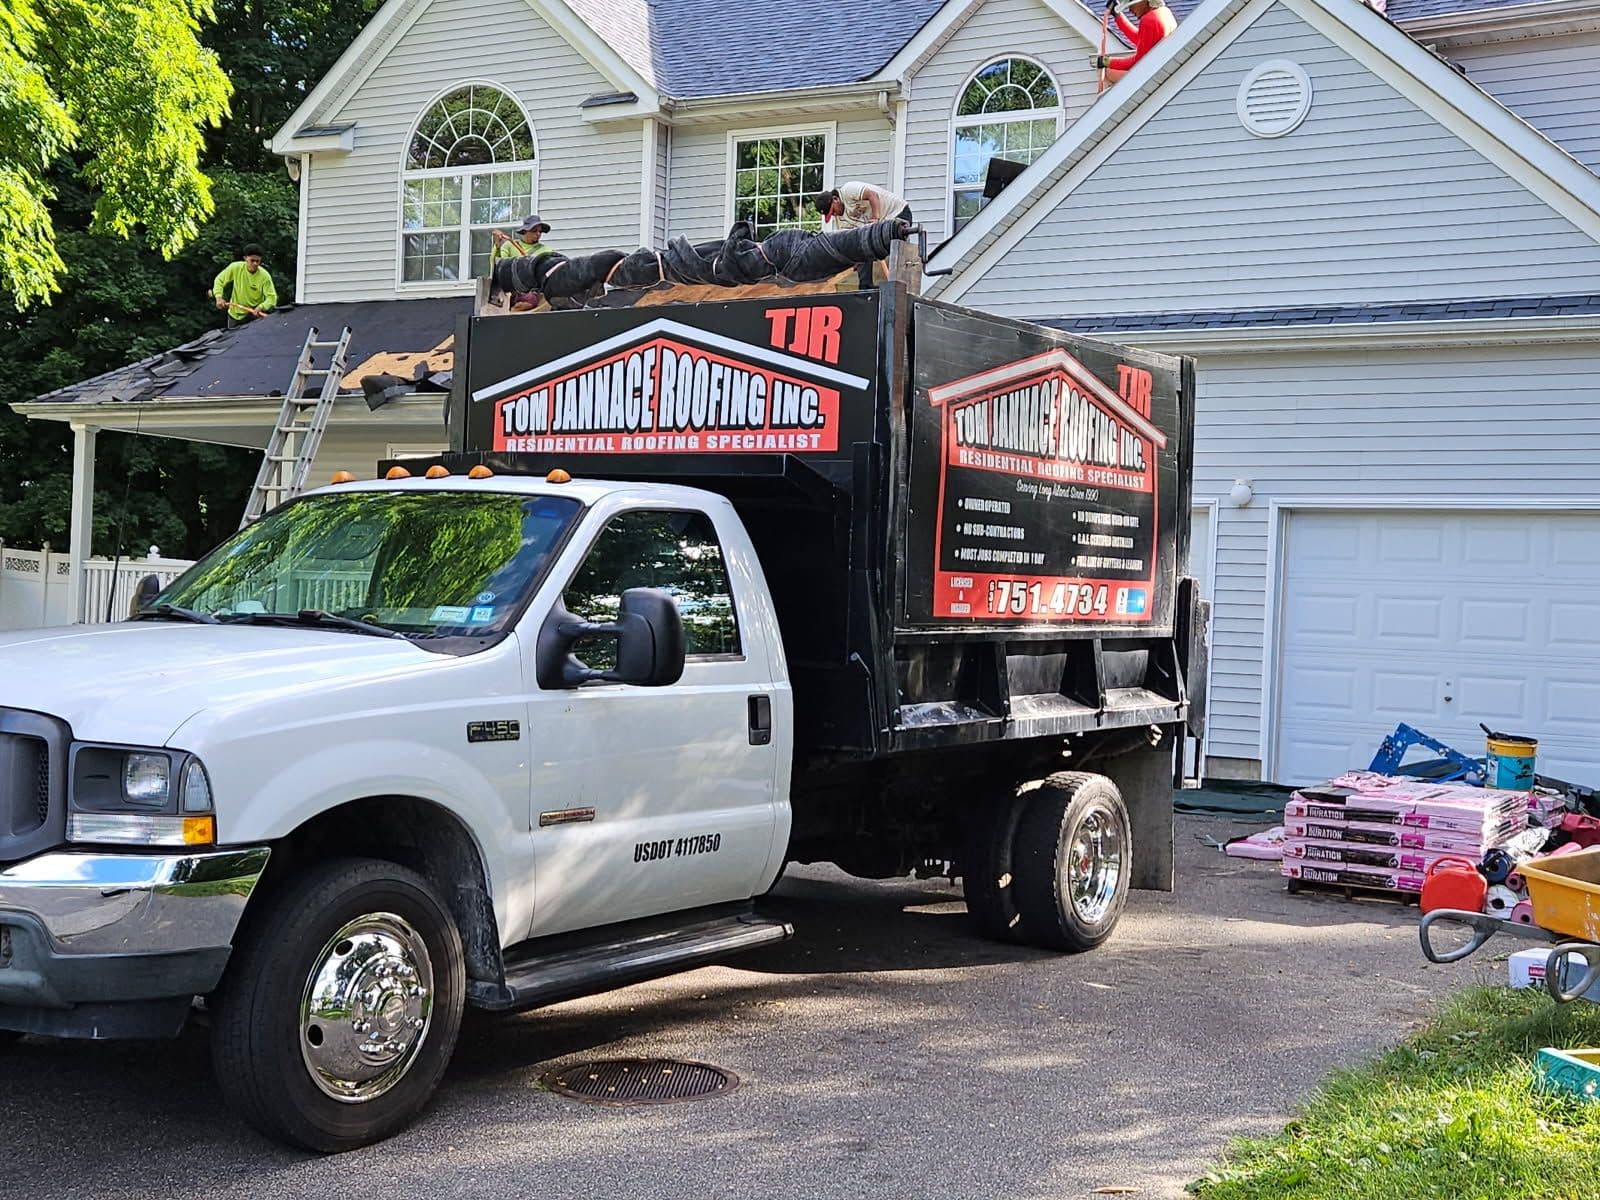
(699, 590)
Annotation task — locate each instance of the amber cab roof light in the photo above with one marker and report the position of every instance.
(480, 472)
(342, 477)
(558, 476)
(437, 471)
(397, 473)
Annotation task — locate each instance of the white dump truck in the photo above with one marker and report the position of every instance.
(701, 590)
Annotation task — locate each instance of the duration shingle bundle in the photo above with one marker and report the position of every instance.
(1368, 830)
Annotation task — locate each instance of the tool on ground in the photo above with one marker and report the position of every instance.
(297, 433)
(1450, 765)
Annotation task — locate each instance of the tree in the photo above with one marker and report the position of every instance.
(124, 294)
(275, 52)
(125, 87)
(124, 303)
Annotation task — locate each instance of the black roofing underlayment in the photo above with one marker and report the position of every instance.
(1337, 314)
(257, 359)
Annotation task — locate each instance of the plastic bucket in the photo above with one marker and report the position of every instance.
(1509, 764)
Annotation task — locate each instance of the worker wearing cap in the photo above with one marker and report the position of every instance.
(1155, 22)
(244, 288)
(854, 204)
(525, 244)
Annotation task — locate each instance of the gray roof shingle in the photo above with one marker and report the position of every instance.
(255, 360)
(689, 49)
(1340, 314)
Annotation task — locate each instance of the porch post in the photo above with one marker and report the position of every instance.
(81, 529)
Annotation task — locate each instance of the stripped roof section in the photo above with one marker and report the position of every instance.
(255, 359)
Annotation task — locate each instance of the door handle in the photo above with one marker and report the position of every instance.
(760, 709)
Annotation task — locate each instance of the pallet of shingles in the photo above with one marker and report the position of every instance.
(1364, 830)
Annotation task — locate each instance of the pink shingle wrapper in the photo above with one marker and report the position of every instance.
(1490, 825)
(1354, 854)
(1389, 879)
(1396, 836)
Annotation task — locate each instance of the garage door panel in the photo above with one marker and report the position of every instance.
(1409, 544)
(1574, 626)
(1396, 693)
(1494, 698)
(1491, 622)
(1576, 550)
(1407, 619)
(1440, 620)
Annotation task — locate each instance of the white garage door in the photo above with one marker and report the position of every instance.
(1440, 620)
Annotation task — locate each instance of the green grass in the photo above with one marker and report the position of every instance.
(1454, 1113)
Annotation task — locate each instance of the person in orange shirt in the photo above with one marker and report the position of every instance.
(1155, 22)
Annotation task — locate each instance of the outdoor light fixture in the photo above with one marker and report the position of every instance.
(1241, 493)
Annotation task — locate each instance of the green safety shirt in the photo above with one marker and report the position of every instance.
(517, 248)
(251, 289)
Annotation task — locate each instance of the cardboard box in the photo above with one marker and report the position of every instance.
(1526, 968)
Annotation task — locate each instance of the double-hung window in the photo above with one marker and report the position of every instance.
(775, 176)
(471, 168)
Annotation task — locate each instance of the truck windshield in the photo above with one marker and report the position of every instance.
(432, 565)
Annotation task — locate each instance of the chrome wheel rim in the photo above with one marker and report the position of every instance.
(1094, 865)
(367, 1008)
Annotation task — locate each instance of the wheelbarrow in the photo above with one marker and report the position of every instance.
(1484, 927)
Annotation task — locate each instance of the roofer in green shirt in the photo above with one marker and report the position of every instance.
(526, 244)
(245, 289)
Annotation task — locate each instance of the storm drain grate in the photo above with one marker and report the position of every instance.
(640, 1081)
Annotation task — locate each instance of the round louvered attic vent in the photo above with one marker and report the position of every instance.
(1274, 98)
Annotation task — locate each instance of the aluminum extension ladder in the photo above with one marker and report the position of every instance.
(297, 433)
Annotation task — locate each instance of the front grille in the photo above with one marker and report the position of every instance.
(24, 784)
(33, 786)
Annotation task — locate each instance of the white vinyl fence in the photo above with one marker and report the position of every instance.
(33, 586)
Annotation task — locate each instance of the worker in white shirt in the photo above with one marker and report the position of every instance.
(854, 204)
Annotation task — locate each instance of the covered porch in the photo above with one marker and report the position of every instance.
(226, 388)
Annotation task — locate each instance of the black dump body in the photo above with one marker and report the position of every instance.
(975, 530)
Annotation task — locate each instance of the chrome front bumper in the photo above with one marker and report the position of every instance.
(91, 930)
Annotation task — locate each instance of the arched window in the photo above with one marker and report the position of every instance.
(470, 169)
(1010, 109)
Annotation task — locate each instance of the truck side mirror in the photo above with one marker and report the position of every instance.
(144, 594)
(650, 643)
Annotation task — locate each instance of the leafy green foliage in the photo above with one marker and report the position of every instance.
(125, 304)
(1454, 1112)
(124, 293)
(128, 86)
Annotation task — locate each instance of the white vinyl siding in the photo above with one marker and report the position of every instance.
(658, 220)
(1553, 83)
(589, 185)
(1370, 199)
(861, 148)
(998, 29)
(1477, 425)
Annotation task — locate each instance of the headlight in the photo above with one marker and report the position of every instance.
(139, 797)
(146, 780)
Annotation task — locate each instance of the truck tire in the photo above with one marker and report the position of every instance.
(340, 1009)
(987, 877)
(1071, 859)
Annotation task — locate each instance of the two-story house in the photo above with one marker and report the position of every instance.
(1378, 234)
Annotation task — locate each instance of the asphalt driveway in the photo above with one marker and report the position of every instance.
(883, 1052)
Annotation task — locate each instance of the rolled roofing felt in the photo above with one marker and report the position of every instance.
(1522, 914)
(1502, 900)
